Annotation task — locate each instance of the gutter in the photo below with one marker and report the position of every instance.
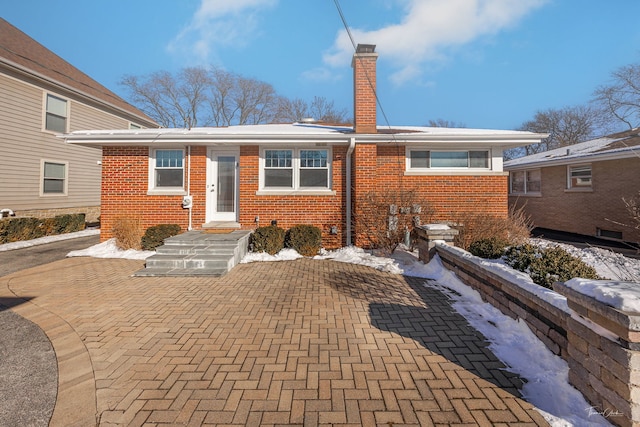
(352, 146)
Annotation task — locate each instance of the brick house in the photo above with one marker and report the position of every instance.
(309, 173)
(43, 96)
(579, 188)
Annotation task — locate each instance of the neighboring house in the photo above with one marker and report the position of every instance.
(579, 188)
(44, 96)
(301, 173)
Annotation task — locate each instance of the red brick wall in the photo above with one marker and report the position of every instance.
(364, 86)
(322, 211)
(584, 212)
(450, 197)
(125, 182)
(125, 172)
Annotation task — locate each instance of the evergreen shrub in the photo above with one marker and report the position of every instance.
(305, 239)
(546, 266)
(155, 235)
(269, 239)
(489, 248)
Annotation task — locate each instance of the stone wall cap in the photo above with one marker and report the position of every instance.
(623, 296)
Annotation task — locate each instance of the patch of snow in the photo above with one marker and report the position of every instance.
(47, 239)
(624, 296)
(608, 264)
(435, 227)
(108, 249)
(283, 255)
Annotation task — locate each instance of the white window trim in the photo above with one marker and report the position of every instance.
(295, 190)
(165, 191)
(450, 170)
(66, 178)
(45, 95)
(525, 192)
(571, 188)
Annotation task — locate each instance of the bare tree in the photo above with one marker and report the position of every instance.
(565, 126)
(320, 109)
(620, 99)
(633, 208)
(199, 96)
(442, 123)
(172, 101)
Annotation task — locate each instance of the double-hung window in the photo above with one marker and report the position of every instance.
(301, 169)
(525, 182)
(168, 169)
(55, 114)
(436, 159)
(579, 177)
(278, 168)
(54, 178)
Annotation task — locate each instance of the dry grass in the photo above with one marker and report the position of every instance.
(515, 229)
(128, 233)
(384, 217)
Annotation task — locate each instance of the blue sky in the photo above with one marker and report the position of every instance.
(484, 63)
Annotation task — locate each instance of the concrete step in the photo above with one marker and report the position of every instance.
(188, 261)
(181, 272)
(198, 249)
(197, 254)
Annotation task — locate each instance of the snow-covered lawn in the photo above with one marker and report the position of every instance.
(546, 375)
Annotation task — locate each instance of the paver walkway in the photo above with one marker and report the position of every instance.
(303, 342)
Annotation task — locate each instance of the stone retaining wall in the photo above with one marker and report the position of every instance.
(547, 321)
(600, 344)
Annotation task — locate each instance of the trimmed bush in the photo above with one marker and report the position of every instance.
(305, 239)
(18, 229)
(491, 248)
(154, 236)
(546, 266)
(269, 239)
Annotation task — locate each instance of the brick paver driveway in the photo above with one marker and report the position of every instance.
(303, 342)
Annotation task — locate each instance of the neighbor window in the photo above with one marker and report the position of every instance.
(525, 182)
(169, 169)
(56, 114)
(54, 178)
(296, 169)
(431, 159)
(579, 177)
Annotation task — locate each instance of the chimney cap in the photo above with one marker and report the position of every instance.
(366, 48)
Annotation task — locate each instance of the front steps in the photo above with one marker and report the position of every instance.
(198, 253)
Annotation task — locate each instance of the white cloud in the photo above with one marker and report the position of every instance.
(219, 23)
(428, 29)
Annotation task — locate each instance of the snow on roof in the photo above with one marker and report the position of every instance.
(624, 144)
(297, 128)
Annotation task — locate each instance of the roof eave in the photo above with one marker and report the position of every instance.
(587, 158)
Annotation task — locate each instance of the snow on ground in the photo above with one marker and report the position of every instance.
(547, 385)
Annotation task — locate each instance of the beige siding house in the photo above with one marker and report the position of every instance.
(43, 96)
(580, 188)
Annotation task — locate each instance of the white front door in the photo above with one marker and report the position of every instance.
(222, 185)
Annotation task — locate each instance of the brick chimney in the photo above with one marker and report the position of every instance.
(364, 88)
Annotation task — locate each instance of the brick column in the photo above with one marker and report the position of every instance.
(604, 355)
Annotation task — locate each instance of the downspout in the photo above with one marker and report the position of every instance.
(189, 185)
(352, 146)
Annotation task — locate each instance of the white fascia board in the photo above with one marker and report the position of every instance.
(503, 140)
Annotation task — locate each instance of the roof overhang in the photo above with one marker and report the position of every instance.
(228, 136)
(575, 160)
